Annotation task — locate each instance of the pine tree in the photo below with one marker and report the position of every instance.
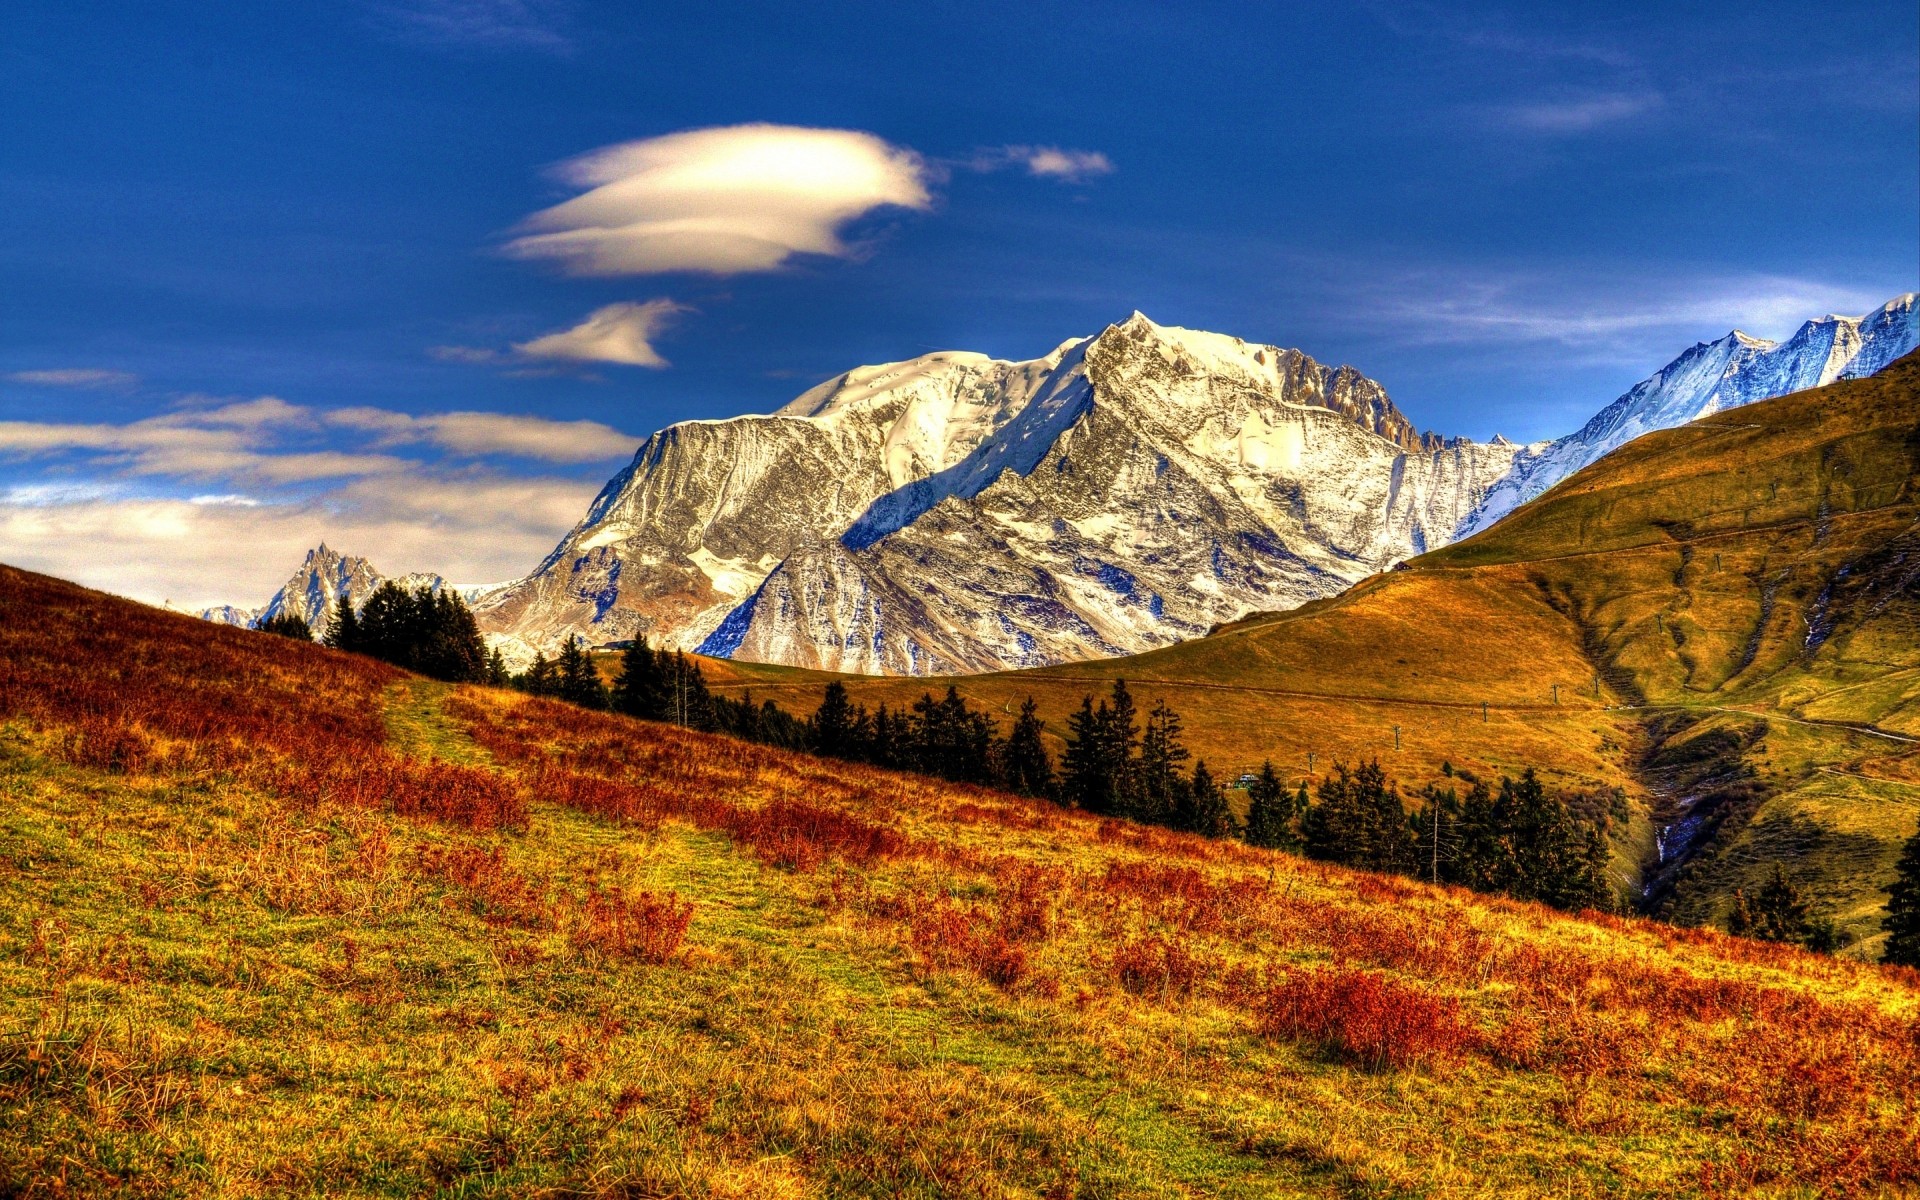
(1360, 821)
(343, 629)
(542, 678)
(640, 689)
(1903, 909)
(1740, 917)
(1267, 819)
(496, 668)
(1331, 829)
(1087, 767)
(1780, 910)
(287, 625)
(1026, 766)
(1159, 787)
(834, 730)
(1203, 806)
(579, 683)
(883, 746)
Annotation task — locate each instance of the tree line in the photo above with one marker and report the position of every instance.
(428, 631)
(1515, 839)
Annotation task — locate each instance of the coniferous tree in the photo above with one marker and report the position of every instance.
(542, 678)
(287, 625)
(1360, 821)
(834, 728)
(1267, 818)
(1123, 750)
(579, 682)
(884, 746)
(640, 690)
(1203, 806)
(497, 675)
(1087, 767)
(343, 628)
(1026, 766)
(1159, 791)
(1903, 909)
(1779, 910)
(1740, 916)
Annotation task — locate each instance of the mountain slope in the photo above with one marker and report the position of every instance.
(275, 918)
(1181, 480)
(707, 510)
(323, 581)
(1712, 377)
(1721, 621)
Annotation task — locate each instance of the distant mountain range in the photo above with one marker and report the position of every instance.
(957, 513)
(324, 581)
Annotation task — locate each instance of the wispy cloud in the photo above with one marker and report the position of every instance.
(720, 201)
(479, 24)
(1606, 319)
(478, 434)
(1451, 23)
(129, 507)
(1577, 114)
(75, 377)
(270, 442)
(234, 549)
(1048, 162)
(619, 333)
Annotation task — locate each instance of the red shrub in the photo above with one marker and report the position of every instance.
(1155, 966)
(799, 836)
(949, 937)
(497, 893)
(1364, 1017)
(645, 926)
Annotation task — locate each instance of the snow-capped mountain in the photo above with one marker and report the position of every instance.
(708, 509)
(1711, 377)
(955, 512)
(316, 589)
(1161, 481)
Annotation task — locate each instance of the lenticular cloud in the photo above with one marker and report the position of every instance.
(722, 201)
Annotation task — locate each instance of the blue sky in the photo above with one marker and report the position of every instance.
(276, 272)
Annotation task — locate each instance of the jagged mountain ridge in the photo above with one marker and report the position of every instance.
(1170, 480)
(896, 518)
(707, 509)
(1708, 378)
(324, 580)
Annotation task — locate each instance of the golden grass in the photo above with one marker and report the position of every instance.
(1681, 573)
(887, 986)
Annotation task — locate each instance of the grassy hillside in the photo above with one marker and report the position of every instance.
(276, 919)
(1722, 620)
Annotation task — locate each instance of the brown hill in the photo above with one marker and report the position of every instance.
(1721, 621)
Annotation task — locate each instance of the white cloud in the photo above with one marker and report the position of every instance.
(1608, 319)
(722, 201)
(477, 433)
(618, 333)
(75, 377)
(476, 355)
(1578, 114)
(1048, 162)
(209, 551)
(485, 24)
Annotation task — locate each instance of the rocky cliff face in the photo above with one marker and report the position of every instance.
(708, 508)
(324, 580)
(959, 513)
(1711, 377)
(1165, 480)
